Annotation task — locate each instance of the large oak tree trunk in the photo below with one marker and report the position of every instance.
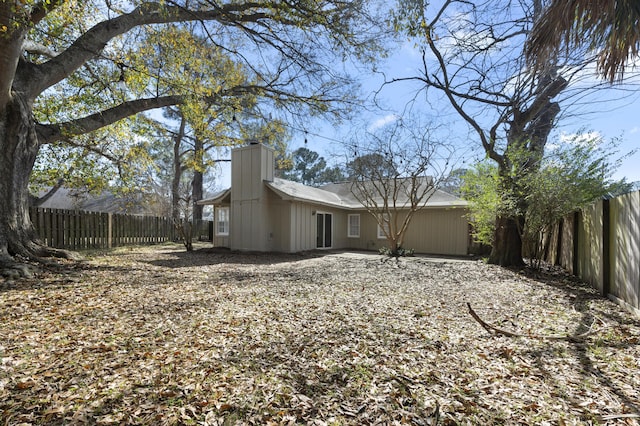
(18, 150)
(507, 247)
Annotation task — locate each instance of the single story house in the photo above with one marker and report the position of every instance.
(260, 212)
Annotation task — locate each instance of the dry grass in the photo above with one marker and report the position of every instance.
(159, 336)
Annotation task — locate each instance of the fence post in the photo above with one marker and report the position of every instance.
(558, 256)
(109, 230)
(576, 241)
(606, 246)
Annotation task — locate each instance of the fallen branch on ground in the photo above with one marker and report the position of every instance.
(495, 330)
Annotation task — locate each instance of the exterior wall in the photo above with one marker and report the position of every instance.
(250, 228)
(275, 219)
(302, 234)
(439, 231)
(368, 239)
(303, 227)
(219, 240)
(432, 231)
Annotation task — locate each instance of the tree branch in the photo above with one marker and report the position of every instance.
(38, 201)
(495, 330)
(10, 49)
(38, 49)
(48, 133)
(92, 42)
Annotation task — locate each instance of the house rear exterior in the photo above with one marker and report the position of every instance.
(263, 213)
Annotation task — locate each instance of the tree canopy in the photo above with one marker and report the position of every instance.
(309, 168)
(62, 65)
(608, 28)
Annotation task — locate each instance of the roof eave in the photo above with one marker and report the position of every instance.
(215, 200)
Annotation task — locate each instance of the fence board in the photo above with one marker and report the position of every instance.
(625, 248)
(584, 238)
(77, 230)
(590, 260)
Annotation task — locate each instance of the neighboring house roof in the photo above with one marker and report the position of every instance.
(338, 195)
(106, 202)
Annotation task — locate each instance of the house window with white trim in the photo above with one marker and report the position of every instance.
(353, 225)
(222, 221)
(385, 221)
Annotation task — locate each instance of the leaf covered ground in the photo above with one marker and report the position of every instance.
(159, 336)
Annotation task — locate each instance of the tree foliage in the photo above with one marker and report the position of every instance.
(309, 168)
(609, 28)
(570, 176)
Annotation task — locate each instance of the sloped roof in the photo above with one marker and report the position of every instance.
(337, 195)
(290, 190)
(217, 198)
(436, 198)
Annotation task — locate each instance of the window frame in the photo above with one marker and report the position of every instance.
(349, 226)
(225, 223)
(381, 235)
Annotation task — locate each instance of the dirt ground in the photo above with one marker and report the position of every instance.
(156, 335)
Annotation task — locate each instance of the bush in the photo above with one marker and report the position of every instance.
(400, 252)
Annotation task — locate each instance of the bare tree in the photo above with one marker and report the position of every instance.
(473, 57)
(394, 171)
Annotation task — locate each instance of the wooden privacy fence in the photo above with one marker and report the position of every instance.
(75, 230)
(601, 245)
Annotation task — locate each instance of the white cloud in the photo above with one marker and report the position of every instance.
(381, 122)
(579, 138)
(634, 130)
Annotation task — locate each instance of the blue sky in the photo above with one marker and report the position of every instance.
(610, 112)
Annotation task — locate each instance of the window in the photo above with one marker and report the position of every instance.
(385, 221)
(222, 222)
(353, 225)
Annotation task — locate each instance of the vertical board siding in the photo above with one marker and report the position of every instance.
(438, 231)
(77, 230)
(431, 231)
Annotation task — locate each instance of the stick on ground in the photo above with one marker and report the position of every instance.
(495, 330)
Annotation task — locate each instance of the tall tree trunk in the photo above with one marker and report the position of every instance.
(177, 172)
(198, 181)
(507, 247)
(527, 135)
(19, 147)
